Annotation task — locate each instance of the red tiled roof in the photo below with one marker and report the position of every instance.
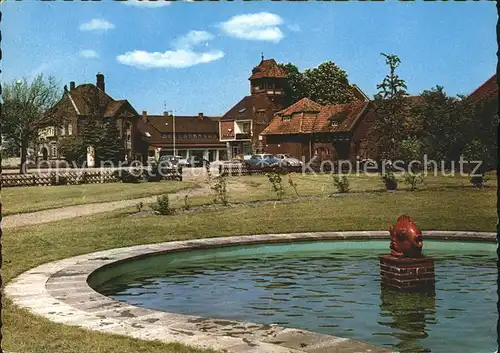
(319, 121)
(302, 106)
(113, 107)
(267, 68)
(487, 90)
(247, 108)
(345, 116)
(88, 100)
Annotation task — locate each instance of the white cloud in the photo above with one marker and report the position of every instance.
(149, 4)
(97, 24)
(89, 54)
(192, 39)
(259, 26)
(178, 59)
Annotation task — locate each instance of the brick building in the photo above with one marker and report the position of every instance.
(195, 136)
(83, 102)
(240, 127)
(307, 129)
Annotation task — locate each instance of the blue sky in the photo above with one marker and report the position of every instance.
(197, 57)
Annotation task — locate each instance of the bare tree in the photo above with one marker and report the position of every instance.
(24, 113)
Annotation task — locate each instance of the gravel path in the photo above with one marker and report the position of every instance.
(56, 214)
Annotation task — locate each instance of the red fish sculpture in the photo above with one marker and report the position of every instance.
(406, 238)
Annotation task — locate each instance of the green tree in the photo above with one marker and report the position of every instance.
(393, 113)
(328, 84)
(445, 124)
(110, 147)
(325, 84)
(73, 149)
(24, 111)
(295, 88)
(104, 136)
(482, 129)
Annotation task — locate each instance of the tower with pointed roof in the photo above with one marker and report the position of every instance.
(269, 79)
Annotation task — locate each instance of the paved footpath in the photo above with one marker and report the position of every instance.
(57, 214)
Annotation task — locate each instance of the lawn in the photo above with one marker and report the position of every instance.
(30, 199)
(445, 206)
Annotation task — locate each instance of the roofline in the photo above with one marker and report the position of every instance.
(361, 91)
(361, 113)
(492, 78)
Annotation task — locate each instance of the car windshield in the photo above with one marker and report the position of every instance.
(267, 156)
(256, 157)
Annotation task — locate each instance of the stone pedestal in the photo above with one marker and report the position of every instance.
(407, 275)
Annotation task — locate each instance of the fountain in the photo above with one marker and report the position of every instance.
(406, 269)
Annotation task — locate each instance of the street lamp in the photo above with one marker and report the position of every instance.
(173, 128)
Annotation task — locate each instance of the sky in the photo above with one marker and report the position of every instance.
(194, 57)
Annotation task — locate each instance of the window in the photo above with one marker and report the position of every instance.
(286, 118)
(70, 129)
(164, 136)
(63, 131)
(50, 131)
(334, 123)
(54, 150)
(147, 134)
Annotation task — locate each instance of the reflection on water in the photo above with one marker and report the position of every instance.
(409, 315)
(325, 289)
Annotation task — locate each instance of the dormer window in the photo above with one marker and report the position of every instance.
(286, 118)
(334, 123)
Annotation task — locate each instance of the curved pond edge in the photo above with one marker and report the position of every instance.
(59, 292)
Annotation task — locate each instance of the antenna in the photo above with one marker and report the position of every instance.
(164, 106)
(262, 56)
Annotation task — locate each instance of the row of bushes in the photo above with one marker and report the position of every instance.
(143, 175)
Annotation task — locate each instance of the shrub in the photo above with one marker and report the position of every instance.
(57, 179)
(478, 181)
(187, 206)
(162, 206)
(413, 179)
(341, 183)
(276, 184)
(293, 184)
(220, 190)
(139, 206)
(126, 176)
(390, 181)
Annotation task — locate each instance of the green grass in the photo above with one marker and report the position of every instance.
(30, 199)
(442, 208)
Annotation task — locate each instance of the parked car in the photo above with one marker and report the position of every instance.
(178, 161)
(262, 160)
(287, 160)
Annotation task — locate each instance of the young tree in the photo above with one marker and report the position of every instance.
(393, 113)
(24, 111)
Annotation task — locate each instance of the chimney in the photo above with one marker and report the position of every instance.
(165, 114)
(145, 116)
(200, 116)
(72, 85)
(100, 82)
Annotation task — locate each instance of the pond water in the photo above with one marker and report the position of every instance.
(330, 287)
